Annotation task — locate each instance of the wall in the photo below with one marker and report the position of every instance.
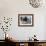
(11, 8)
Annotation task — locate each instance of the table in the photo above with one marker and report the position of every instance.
(28, 43)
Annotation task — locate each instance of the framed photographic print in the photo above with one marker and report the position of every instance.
(25, 20)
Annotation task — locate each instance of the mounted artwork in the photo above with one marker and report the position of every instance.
(25, 20)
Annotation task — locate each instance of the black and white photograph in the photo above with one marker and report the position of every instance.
(25, 20)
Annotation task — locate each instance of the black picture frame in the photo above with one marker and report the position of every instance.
(26, 20)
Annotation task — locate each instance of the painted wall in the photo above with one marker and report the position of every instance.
(11, 8)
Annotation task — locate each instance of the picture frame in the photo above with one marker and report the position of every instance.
(26, 20)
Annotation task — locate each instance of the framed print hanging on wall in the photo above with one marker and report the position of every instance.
(25, 20)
